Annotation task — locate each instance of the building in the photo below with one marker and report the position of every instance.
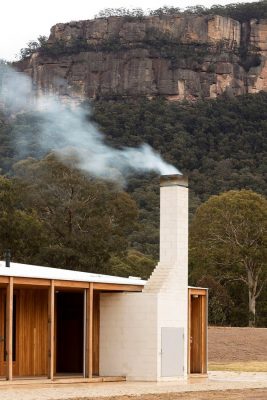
(59, 323)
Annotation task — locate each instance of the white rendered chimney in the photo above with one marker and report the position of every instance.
(173, 263)
(124, 317)
(173, 218)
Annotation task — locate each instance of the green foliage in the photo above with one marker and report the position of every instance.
(241, 12)
(21, 230)
(165, 11)
(220, 303)
(33, 46)
(127, 14)
(87, 221)
(133, 264)
(229, 242)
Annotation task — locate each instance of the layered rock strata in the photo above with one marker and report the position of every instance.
(179, 57)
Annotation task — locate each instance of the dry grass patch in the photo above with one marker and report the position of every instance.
(246, 366)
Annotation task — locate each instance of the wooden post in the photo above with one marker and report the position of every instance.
(9, 329)
(189, 334)
(89, 332)
(204, 333)
(51, 329)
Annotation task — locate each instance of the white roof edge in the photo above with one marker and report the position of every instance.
(197, 287)
(35, 271)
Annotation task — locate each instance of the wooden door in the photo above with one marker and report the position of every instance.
(195, 335)
(197, 332)
(32, 334)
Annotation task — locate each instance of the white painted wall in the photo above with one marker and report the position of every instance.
(128, 335)
(130, 323)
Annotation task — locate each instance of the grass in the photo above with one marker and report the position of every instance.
(246, 366)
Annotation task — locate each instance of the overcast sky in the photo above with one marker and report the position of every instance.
(25, 20)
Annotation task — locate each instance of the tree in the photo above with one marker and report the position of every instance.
(33, 46)
(220, 303)
(21, 230)
(228, 240)
(88, 220)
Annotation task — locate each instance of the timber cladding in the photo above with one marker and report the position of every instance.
(30, 335)
(39, 319)
(197, 327)
(96, 327)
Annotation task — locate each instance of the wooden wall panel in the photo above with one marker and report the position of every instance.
(32, 332)
(51, 331)
(197, 361)
(195, 335)
(2, 333)
(204, 327)
(96, 327)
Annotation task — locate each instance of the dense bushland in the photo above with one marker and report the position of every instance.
(220, 144)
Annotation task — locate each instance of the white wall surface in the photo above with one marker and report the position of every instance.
(128, 335)
(130, 323)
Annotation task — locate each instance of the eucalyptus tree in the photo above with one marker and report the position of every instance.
(229, 241)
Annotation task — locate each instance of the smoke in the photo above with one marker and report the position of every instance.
(65, 129)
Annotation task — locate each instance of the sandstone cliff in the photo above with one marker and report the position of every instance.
(179, 57)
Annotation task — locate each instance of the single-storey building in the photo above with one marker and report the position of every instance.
(57, 323)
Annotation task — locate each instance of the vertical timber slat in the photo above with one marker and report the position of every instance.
(9, 329)
(89, 332)
(204, 333)
(51, 329)
(189, 334)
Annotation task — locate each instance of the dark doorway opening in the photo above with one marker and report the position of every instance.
(69, 332)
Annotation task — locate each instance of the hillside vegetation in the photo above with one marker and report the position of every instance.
(220, 144)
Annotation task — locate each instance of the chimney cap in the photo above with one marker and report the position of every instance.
(174, 180)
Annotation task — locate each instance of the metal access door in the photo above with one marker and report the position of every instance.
(172, 352)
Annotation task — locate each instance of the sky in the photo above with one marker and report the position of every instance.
(25, 20)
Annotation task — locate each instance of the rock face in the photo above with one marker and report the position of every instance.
(180, 57)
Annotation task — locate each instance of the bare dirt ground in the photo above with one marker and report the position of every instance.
(251, 394)
(237, 344)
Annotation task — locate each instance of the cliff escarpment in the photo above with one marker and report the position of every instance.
(184, 57)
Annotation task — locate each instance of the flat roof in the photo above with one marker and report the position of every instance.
(35, 271)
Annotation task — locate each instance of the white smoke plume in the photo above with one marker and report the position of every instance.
(66, 129)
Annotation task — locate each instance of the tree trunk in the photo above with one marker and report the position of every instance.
(252, 291)
(252, 307)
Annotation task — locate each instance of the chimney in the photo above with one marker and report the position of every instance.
(7, 258)
(171, 273)
(173, 218)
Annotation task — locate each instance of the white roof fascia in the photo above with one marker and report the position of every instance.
(34, 271)
(197, 287)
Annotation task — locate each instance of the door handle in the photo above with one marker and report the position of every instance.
(2, 339)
